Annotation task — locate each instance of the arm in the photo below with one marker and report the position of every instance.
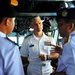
(25, 60)
(49, 57)
(57, 48)
(53, 55)
(24, 52)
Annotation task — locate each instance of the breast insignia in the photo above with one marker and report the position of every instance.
(66, 40)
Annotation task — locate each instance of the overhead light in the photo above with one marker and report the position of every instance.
(40, 14)
(64, 5)
(67, 5)
(14, 2)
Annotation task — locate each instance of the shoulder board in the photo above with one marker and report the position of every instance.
(28, 35)
(12, 41)
(66, 40)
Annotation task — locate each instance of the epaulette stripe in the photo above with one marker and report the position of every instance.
(28, 36)
(67, 39)
(11, 41)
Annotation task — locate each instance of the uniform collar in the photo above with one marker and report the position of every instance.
(2, 34)
(72, 33)
(37, 37)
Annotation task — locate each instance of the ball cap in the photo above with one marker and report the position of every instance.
(66, 13)
(6, 10)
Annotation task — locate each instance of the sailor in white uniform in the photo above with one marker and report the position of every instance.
(36, 48)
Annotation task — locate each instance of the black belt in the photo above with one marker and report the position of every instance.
(43, 64)
(60, 73)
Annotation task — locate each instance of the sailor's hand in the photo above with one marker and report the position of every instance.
(43, 57)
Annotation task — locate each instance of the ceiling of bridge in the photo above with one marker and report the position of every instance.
(26, 9)
(42, 6)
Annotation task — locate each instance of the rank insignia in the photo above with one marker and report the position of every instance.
(67, 39)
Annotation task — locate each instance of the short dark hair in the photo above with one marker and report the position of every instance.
(6, 10)
(1, 19)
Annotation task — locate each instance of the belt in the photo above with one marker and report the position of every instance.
(43, 64)
(60, 73)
